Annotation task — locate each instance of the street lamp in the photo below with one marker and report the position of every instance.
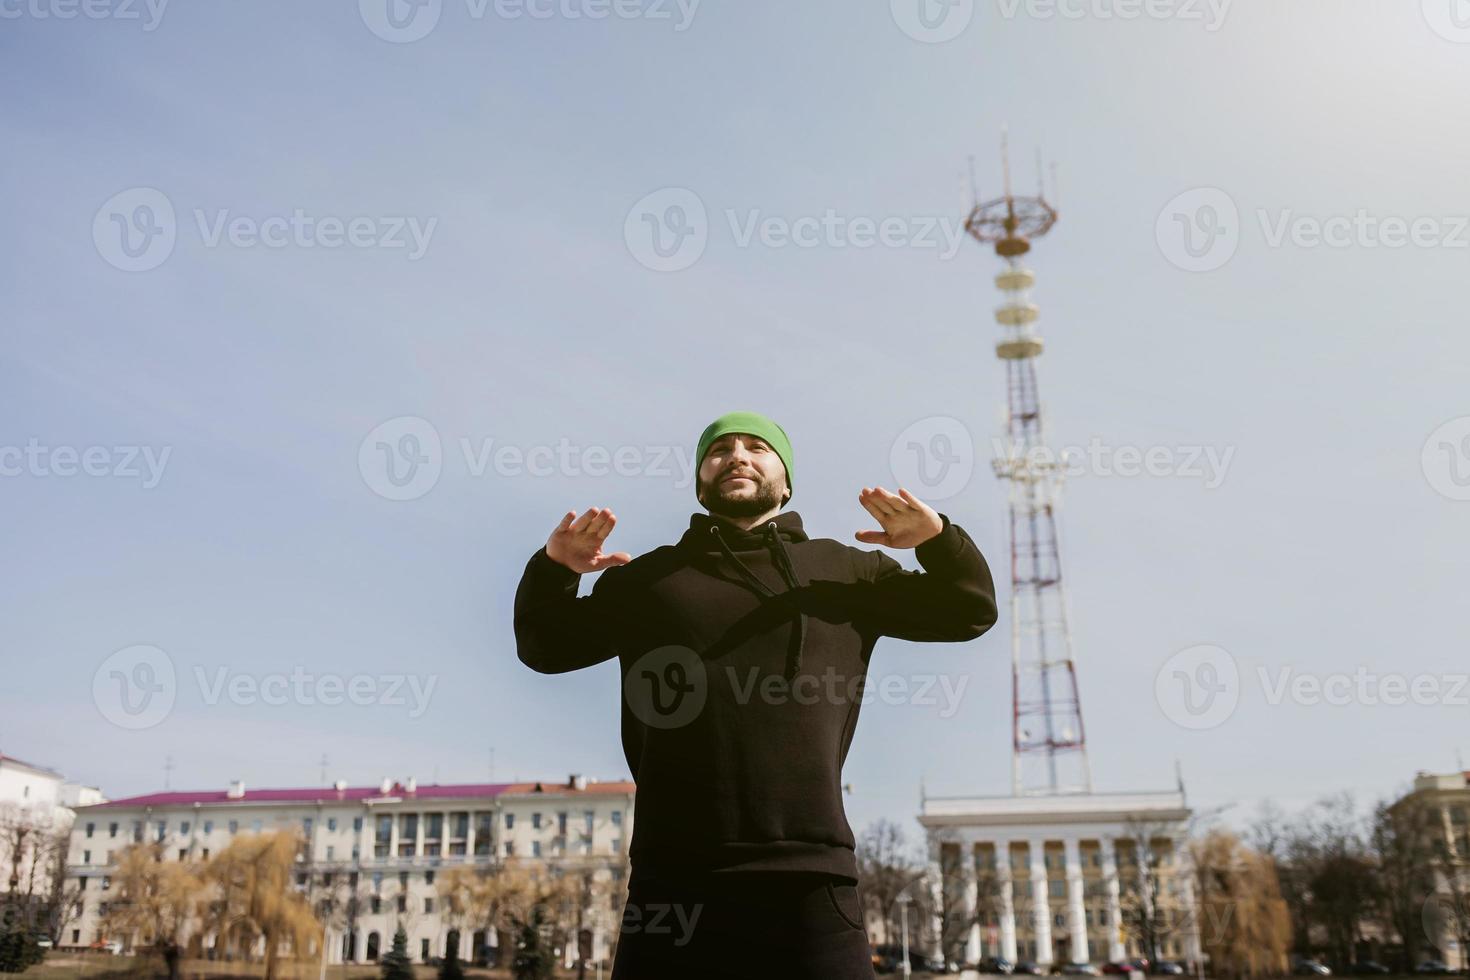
(903, 912)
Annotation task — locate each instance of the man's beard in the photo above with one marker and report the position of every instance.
(765, 498)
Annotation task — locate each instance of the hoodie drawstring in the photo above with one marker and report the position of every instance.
(782, 560)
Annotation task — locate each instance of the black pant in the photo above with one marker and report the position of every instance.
(743, 926)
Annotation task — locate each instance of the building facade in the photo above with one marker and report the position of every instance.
(1095, 877)
(386, 845)
(1445, 800)
(37, 806)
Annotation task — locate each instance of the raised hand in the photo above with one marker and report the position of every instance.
(577, 541)
(907, 521)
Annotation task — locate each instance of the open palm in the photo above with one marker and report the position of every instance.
(577, 541)
(907, 521)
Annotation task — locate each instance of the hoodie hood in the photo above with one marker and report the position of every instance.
(720, 545)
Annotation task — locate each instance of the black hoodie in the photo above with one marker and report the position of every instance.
(744, 657)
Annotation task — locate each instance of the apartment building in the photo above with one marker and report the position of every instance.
(387, 845)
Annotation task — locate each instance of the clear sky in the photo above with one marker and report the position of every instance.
(241, 237)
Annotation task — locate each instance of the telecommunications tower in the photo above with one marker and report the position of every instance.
(1049, 749)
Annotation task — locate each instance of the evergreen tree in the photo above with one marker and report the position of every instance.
(395, 961)
(451, 970)
(18, 947)
(533, 961)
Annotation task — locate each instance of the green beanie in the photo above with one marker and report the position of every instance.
(753, 423)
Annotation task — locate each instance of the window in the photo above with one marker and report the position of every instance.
(332, 823)
(256, 826)
(137, 831)
(183, 854)
(205, 854)
(403, 880)
(408, 834)
(306, 824)
(184, 827)
(90, 828)
(357, 825)
(330, 852)
(86, 857)
(459, 832)
(423, 949)
(429, 877)
(162, 829)
(106, 882)
(510, 848)
(617, 818)
(561, 822)
(536, 820)
(588, 818)
(535, 848)
(433, 834)
(384, 836)
(112, 830)
(617, 845)
(483, 833)
(234, 826)
(403, 903)
(209, 826)
(76, 937)
(428, 906)
(377, 904)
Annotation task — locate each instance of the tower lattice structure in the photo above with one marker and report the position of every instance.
(1049, 746)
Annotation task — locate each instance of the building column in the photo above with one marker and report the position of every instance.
(1185, 867)
(1076, 907)
(971, 902)
(936, 896)
(1007, 903)
(1041, 908)
(1116, 952)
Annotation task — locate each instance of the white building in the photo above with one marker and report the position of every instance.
(386, 843)
(36, 804)
(1048, 878)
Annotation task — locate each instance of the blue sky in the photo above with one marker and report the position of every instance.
(526, 314)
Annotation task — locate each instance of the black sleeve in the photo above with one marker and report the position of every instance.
(952, 599)
(556, 631)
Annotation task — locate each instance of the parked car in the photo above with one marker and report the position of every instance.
(1369, 968)
(1433, 967)
(1079, 970)
(996, 964)
(1168, 968)
(1028, 968)
(888, 958)
(1311, 968)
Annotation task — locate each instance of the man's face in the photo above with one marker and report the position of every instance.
(741, 476)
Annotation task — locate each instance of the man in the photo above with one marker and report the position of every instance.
(743, 651)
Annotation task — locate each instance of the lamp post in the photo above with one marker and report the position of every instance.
(903, 912)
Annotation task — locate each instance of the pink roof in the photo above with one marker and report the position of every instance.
(327, 794)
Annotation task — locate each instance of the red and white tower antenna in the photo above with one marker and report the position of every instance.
(1049, 748)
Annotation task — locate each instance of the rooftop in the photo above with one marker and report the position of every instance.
(342, 793)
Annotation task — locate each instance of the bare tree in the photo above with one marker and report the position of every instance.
(1245, 925)
(887, 865)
